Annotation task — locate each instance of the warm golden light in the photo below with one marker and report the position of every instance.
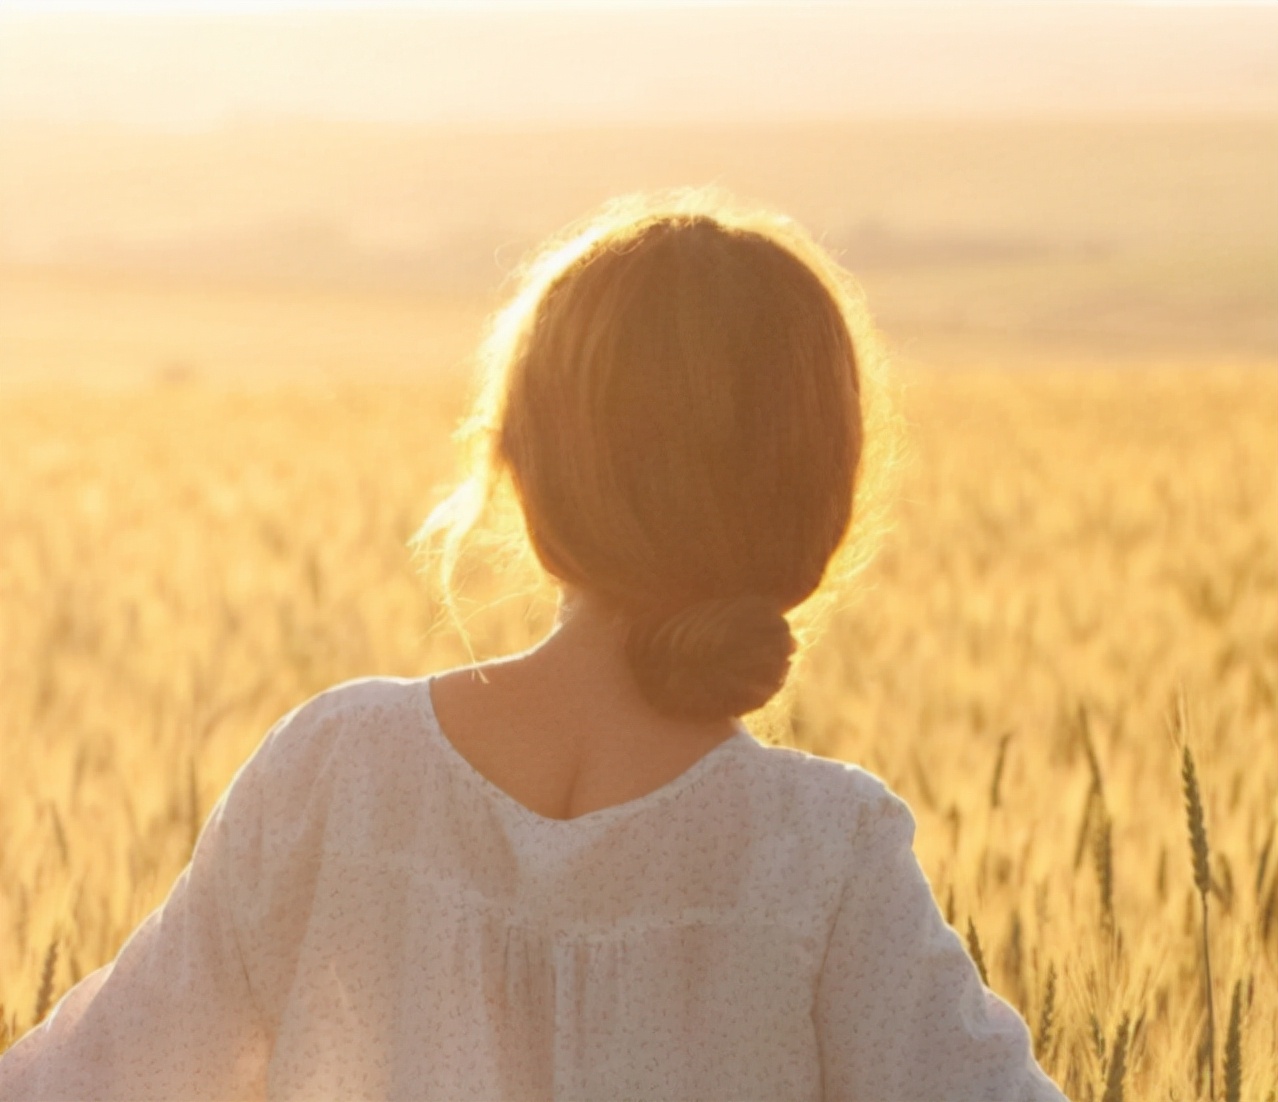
(247, 257)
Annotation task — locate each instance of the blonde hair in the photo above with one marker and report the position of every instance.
(677, 412)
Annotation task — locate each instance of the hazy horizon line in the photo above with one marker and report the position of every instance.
(255, 118)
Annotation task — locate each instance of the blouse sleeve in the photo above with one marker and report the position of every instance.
(901, 1011)
(173, 1016)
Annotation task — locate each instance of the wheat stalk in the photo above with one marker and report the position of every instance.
(1103, 854)
(1089, 748)
(1098, 1036)
(1202, 882)
(999, 762)
(45, 993)
(1095, 804)
(1262, 862)
(1045, 1023)
(974, 947)
(1117, 1064)
(1233, 1047)
(1015, 957)
(1085, 825)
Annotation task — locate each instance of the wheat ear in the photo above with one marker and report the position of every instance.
(974, 947)
(45, 993)
(1202, 882)
(1117, 1064)
(1233, 1047)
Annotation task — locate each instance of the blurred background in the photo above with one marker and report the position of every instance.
(304, 191)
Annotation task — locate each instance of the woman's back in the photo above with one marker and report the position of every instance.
(394, 925)
(562, 728)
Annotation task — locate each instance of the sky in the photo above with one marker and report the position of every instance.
(176, 66)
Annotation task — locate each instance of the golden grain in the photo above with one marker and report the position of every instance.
(1233, 1047)
(1117, 1070)
(181, 566)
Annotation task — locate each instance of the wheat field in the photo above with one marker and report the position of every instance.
(1080, 581)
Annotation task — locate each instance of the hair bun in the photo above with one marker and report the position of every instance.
(712, 659)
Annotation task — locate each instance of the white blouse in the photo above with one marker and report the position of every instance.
(367, 916)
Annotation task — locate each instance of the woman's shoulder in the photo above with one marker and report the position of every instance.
(832, 797)
(368, 695)
(317, 732)
(812, 775)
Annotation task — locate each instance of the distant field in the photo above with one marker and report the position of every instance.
(260, 251)
(60, 326)
(180, 565)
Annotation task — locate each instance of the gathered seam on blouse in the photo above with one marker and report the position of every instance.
(797, 922)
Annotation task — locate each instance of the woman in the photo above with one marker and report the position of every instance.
(572, 873)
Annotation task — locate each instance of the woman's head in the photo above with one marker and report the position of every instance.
(675, 400)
